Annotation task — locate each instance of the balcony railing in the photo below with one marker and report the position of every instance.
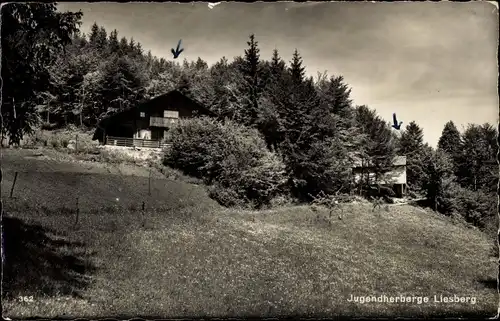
(162, 121)
(134, 142)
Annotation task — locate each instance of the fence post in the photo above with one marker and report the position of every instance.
(77, 213)
(76, 142)
(149, 183)
(143, 214)
(13, 185)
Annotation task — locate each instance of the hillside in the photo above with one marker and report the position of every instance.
(194, 258)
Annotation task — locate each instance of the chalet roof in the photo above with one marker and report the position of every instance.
(145, 105)
(398, 161)
(148, 103)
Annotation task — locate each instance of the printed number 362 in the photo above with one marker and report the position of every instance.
(26, 298)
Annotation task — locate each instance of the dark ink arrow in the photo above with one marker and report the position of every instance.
(396, 125)
(178, 50)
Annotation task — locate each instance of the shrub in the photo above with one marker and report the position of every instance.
(232, 158)
(257, 185)
(61, 138)
(48, 126)
(476, 207)
(54, 143)
(323, 166)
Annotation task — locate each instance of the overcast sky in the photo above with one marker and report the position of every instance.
(430, 62)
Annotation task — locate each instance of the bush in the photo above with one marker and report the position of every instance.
(61, 138)
(476, 207)
(231, 158)
(323, 167)
(256, 185)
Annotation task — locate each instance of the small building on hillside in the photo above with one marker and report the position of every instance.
(394, 178)
(145, 125)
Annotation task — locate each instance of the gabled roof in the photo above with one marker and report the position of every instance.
(397, 161)
(105, 120)
(152, 101)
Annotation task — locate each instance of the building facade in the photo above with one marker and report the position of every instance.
(394, 178)
(145, 125)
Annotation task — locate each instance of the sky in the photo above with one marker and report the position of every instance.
(429, 62)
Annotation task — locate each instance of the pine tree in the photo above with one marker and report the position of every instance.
(201, 64)
(411, 144)
(340, 102)
(297, 71)
(131, 48)
(450, 141)
(478, 152)
(94, 34)
(273, 96)
(335, 94)
(102, 40)
(123, 83)
(113, 44)
(123, 47)
(250, 69)
(378, 147)
(438, 177)
(184, 85)
(302, 123)
(412, 139)
(277, 65)
(138, 49)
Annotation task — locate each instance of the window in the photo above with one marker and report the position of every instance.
(170, 114)
(143, 114)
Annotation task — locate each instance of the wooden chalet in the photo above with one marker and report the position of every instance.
(145, 125)
(394, 178)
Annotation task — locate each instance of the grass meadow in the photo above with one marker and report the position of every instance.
(185, 256)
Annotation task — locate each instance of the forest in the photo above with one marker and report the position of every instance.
(53, 75)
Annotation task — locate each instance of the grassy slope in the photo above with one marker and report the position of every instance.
(194, 258)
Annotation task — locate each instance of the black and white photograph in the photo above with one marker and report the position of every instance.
(165, 160)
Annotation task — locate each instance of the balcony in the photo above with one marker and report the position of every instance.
(162, 121)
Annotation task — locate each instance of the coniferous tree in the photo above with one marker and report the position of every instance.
(378, 147)
(450, 142)
(131, 48)
(102, 40)
(478, 152)
(306, 146)
(123, 47)
(273, 96)
(438, 178)
(336, 94)
(113, 43)
(250, 70)
(123, 83)
(138, 50)
(277, 65)
(94, 33)
(411, 145)
(184, 85)
(200, 64)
